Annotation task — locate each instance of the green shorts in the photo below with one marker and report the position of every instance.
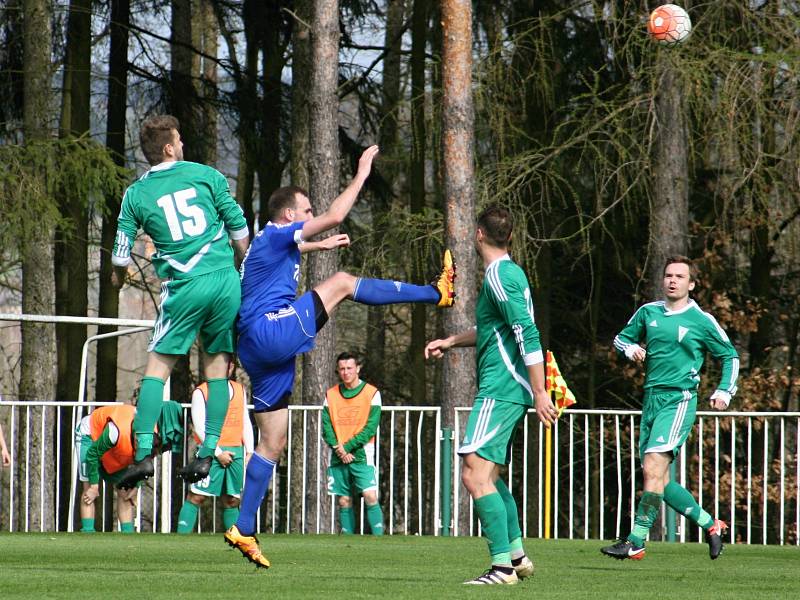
(205, 305)
(343, 479)
(223, 480)
(490, 429)
(667, 420)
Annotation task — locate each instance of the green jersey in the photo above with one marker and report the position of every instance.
(676, 343)
(187, 210)
(507, 337)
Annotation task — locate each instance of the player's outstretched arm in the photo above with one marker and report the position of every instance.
(437, 348)
(341, 206)
(329, 243)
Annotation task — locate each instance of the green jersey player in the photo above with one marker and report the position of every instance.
(510, 381)
(188, 212)
(671, 337)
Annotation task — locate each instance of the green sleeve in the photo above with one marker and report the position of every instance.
(127, 226)
(227, 207)
(632, 333)
(721, 348)
(328, 434)
(99, 447)
(367, 433)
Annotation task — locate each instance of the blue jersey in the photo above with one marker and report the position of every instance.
(270, 272)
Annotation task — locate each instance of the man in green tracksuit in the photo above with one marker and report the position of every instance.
(187, 210)
(676, 335)
(350, 417)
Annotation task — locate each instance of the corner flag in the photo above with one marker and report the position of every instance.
(556, 385)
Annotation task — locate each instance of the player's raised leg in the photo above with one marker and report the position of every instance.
(384, 291)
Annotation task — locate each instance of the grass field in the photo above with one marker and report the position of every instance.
(202, 566)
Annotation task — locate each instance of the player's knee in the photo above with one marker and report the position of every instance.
(345, 502)
(230, 501)
(195, 499)
(345, 282)
(370, 497)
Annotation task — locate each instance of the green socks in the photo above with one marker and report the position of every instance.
(646, 514)
(216, 409)
(494, 521)
(187, 518)
(126, 527)
(229, 517)
(87, 525)
(514, 532)
(681, 500)
(375, 518)
(347, 521)
(148, 409)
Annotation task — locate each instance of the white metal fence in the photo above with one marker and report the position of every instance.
(743, 468)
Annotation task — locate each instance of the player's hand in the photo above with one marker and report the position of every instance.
(128, 494)
(638, 355)
(348, 458)
(91, 494)
(335, 241)
(339, 449)
(437, 348)
(365, 162)
(6, 458)
(545, 410)
(720, 400)
(225, 458)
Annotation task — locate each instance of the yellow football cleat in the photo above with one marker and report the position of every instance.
(445, 283)
(247, 545)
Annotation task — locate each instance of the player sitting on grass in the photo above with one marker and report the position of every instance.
(226, 477)
(275, 326)
(105, 445)
(351, 414)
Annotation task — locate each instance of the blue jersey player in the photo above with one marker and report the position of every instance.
(275, 326)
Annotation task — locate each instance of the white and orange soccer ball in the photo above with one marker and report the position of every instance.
(669, 24)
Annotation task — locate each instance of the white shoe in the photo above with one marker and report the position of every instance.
(494, 577)
(525, 568)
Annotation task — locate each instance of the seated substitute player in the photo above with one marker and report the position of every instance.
(677, 334)
(226, 477)
(275, 326)
(350, 417)
(105, 445)
(510, 381)
(187, 210)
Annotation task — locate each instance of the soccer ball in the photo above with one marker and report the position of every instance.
(669, 24)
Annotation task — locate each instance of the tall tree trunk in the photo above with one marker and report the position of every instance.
(459, 195)
(301, 82)
(419, 39)
(210, 36)
(269, 160)
(375, 360)
(669, 211)
(323, 182)
(37, 372)
(71, 258)
(106, 387)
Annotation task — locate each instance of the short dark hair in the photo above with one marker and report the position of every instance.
(347, 355)
(154, 134)
(285, 197)
(679, 258)
(496, 224)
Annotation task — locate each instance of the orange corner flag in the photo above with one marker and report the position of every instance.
(555, 383)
